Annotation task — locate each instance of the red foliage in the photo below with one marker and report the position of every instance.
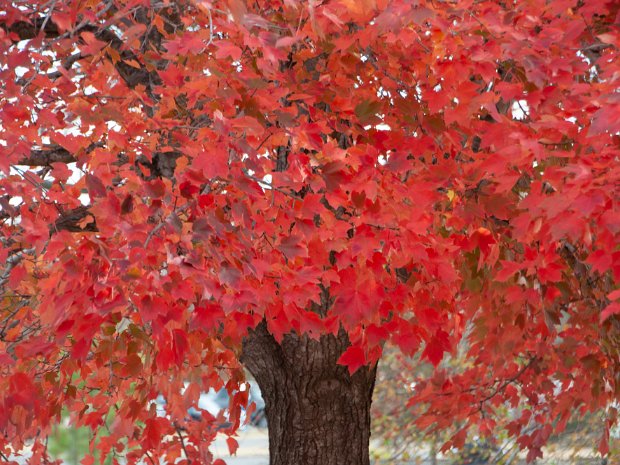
(434, 174)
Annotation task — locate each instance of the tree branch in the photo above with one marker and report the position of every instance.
(45, 157)
(69, 221)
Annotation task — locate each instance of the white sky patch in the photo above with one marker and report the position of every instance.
(76, 174)
(583, 57)
(381, 93)
(267, 180)
(594, 73)
(378, 127)
(73, 130)
(20, 71)
(19, 170)
(84, 199)
(114, 126)
(90, 90)
(117, 30)
(520, 110)
(22, 44)
(15, 201)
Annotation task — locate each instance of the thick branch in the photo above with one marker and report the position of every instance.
(44, 157)
(71, 219)
(26, 30)
(55, 154)
(132, 76)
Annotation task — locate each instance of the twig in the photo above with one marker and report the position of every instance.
(210, 41)
(48, 15)
(159, 226)
(594, 47)
(482, 24)
(146, 452)
(506, 382)
(178, 430)
(12, 262)
(175, 212)
(265, 185)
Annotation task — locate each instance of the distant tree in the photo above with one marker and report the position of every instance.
(189, 187)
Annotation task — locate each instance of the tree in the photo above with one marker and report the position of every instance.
(193, 186)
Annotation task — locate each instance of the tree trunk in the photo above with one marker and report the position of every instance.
(317, 413)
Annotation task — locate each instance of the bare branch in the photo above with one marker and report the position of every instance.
(70, 221)
(44, 157)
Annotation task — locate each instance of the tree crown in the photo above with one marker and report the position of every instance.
(442, 176)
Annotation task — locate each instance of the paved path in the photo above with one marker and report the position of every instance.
(253, 448)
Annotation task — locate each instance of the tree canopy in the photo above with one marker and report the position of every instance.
(439, 175)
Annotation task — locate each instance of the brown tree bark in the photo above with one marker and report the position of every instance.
(316, 412)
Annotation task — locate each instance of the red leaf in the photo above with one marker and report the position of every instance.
(600, 260)
(17, 275)
(612, 309)
(614, 295)
(284, 42)
(605, 120)
(290, 246)
(208, 316)
(458, 440)
(152, 433)
(95, 186)
(311, 323)
(353, 358)
(436, 347)
(233, 445)
(6, 360)
(483, 239)
(367, 110)
(603, 446)
(212, 163)
(88, 460)
(508, 270)
(180, 345)
(279, 326)
(127, 204)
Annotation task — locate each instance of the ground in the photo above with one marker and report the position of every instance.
(253, 448)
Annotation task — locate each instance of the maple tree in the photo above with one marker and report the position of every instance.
(189, 187)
